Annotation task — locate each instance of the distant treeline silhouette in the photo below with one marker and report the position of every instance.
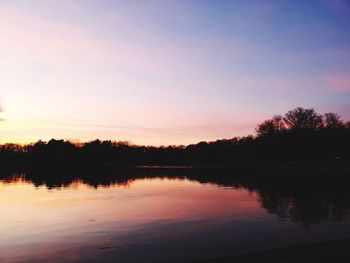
(301, 136)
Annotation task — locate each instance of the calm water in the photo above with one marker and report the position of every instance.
(162, 217)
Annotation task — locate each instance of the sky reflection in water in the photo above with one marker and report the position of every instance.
(153, 219)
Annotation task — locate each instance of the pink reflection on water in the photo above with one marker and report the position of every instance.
(68, 223)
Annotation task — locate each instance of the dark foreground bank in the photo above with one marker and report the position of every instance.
(329, 251)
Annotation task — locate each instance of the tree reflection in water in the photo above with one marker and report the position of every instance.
(305, 197)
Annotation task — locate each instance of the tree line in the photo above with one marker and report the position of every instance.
(301, 120)
(300, 136)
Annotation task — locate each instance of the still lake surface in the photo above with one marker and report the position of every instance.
(160, 215)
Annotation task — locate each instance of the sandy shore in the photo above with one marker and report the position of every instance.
(329, 251)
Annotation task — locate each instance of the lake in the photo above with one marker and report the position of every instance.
(166, 215)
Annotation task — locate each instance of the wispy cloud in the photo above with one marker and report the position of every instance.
(161, 72)
(25, 38)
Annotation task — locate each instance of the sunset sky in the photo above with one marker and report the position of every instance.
(167, 72)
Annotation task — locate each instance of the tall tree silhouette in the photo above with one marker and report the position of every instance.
(333, 120)
(303, 119)
(271, 126)
(301, 136)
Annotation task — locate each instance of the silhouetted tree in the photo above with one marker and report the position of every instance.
(303, 119)
(296, 137)
(271, 126)
(333, 120)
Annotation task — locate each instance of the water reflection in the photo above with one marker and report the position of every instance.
(307, 197)
(154, 213)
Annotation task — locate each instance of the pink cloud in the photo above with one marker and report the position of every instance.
(26, 38)
(338, 82)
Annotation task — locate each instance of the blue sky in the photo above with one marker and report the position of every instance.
(167, 72)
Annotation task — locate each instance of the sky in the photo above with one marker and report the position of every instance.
(167, 72)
